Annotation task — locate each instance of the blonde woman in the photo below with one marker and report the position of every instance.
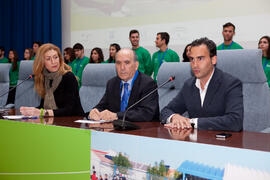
(55, 84)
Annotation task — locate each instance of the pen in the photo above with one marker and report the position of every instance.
(30, 117)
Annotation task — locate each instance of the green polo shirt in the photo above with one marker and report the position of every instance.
(107, 61)
(266, 68)
(78, 66)
(14, 75)
(233, 45)
(4, 60)
(144, 58)
(159, 57)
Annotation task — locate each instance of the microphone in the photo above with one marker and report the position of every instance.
(29, 77)
(122, 125)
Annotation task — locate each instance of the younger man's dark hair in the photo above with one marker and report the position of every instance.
(78, 46)
(164, 35)
(133, 31)
(211, 46)
(228, 24)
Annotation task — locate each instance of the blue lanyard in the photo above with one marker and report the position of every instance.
(161, 59)
(121, 84)
(78, 65)
(229, 47)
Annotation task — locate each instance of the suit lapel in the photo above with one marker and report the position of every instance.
(212, 89)
(117, 94)
(195, 96)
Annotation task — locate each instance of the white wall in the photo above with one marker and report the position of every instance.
(66, 36)
(98, 23)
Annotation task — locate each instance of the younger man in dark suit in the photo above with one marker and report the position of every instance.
(125, 89)
(213, 99)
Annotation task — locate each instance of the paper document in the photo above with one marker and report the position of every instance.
(92, 122)
(14, 117)
(3, 110)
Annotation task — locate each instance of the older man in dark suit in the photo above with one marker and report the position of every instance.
(213, 99)
(124, 90)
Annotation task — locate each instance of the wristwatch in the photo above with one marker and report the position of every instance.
(192, 123)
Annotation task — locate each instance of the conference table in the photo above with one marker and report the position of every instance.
(243, 139)
(59, 147)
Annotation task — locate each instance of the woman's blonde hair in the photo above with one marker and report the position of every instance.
(39, 66)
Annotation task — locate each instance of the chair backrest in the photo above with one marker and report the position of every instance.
(181, 71)
(94, 80)
(246, 65)
(4, 82)
(25, 93)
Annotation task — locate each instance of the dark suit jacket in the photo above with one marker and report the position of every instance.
(222, 108)
(67, 97)
(147, 110)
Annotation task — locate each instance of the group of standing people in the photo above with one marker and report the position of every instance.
(150, 65)
(77, 60)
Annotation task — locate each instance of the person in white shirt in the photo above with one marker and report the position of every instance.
(212, 98)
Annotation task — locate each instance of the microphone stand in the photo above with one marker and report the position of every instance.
(29, 77)
(122, 125)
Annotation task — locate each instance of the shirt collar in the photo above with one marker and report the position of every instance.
(129, 81)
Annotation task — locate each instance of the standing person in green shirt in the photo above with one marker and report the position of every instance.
(264, 46)
(69, 55)
(36, 45)
(3, 59)
(96, 55)
(28, 54)
(143, 55)
(228, 33)
(13, 74)
(164, 54)
(114, 48)
(80, 62)
(186, 53)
